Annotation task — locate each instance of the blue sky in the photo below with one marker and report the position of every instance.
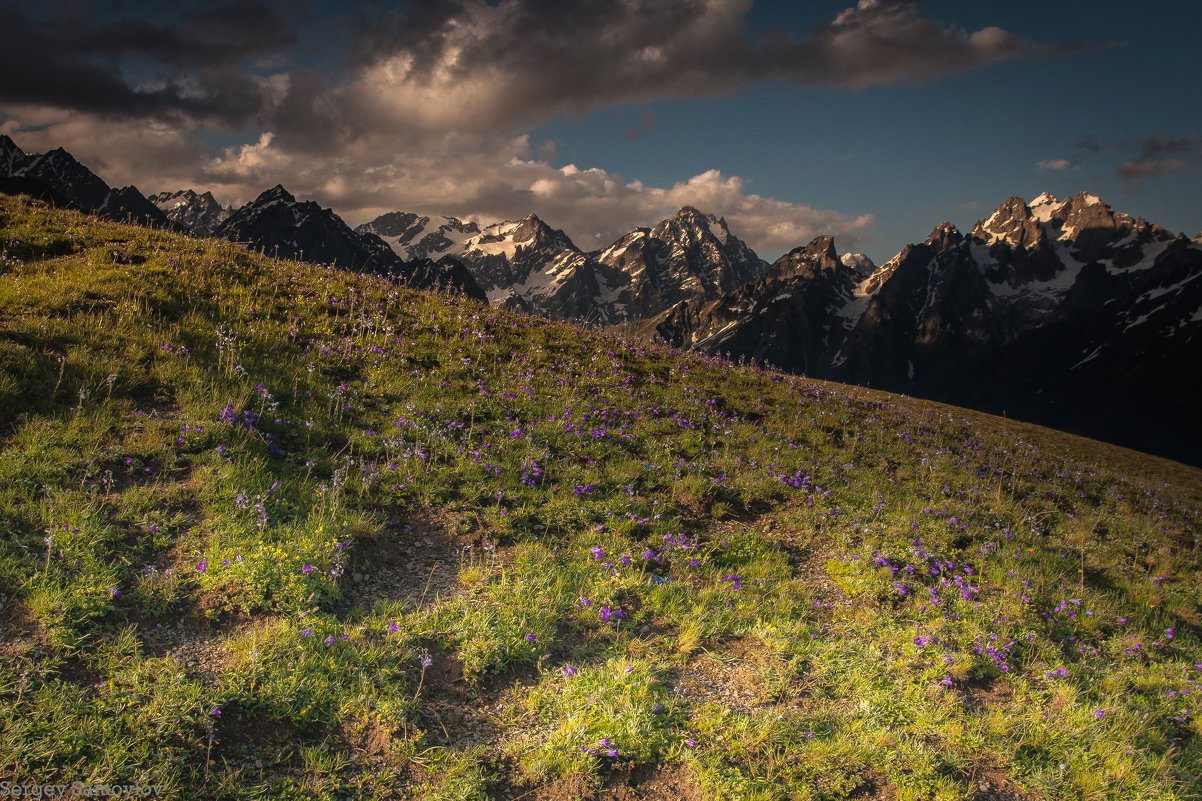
(873, 120)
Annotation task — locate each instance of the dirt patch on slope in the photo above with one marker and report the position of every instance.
(412, 560)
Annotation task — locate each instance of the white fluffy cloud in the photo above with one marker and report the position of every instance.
(477, 177)
(502, 179)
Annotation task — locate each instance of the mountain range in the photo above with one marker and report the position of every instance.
(57, 175)
(527, 265)
(274, 223)
(1063, 312)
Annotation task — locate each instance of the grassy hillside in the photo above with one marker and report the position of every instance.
(270, 530)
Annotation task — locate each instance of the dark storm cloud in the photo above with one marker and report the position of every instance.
(882, 42)
(438, 66)
(305, 119)
(544, 56)
(577, 56)
(189, 67)
(421, 30)
(442, 67)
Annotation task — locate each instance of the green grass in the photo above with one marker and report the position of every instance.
(273, 530)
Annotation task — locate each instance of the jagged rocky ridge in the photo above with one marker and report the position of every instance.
(792, 316)
(57, 175)
(12, 158)
(686, 257)
(1062, 312)
(412, 237)
(200, 214)
(274, 223)
(527, 265)
(524, 265)
(277, 224)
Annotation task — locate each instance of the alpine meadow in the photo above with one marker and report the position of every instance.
(278, 530)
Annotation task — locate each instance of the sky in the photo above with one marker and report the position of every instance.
(873, 121)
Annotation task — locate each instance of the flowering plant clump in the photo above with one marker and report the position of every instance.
(610, 711)
(255, 574)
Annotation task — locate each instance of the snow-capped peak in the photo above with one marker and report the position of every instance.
(199, 213)
(859, 263)
(1045, 206)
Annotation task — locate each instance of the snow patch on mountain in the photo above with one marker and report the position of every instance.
(859, 263)
(199, 213)
(494, 240)
(1044, 207)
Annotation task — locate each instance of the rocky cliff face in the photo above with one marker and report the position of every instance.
(1094, 314)
(529, 266)
(199, 214)
(12, 158)
(794, 316)
(128, 205)
(412, 236)
(278, 224)
(59, 170)
(928, 317)
(689, 256)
